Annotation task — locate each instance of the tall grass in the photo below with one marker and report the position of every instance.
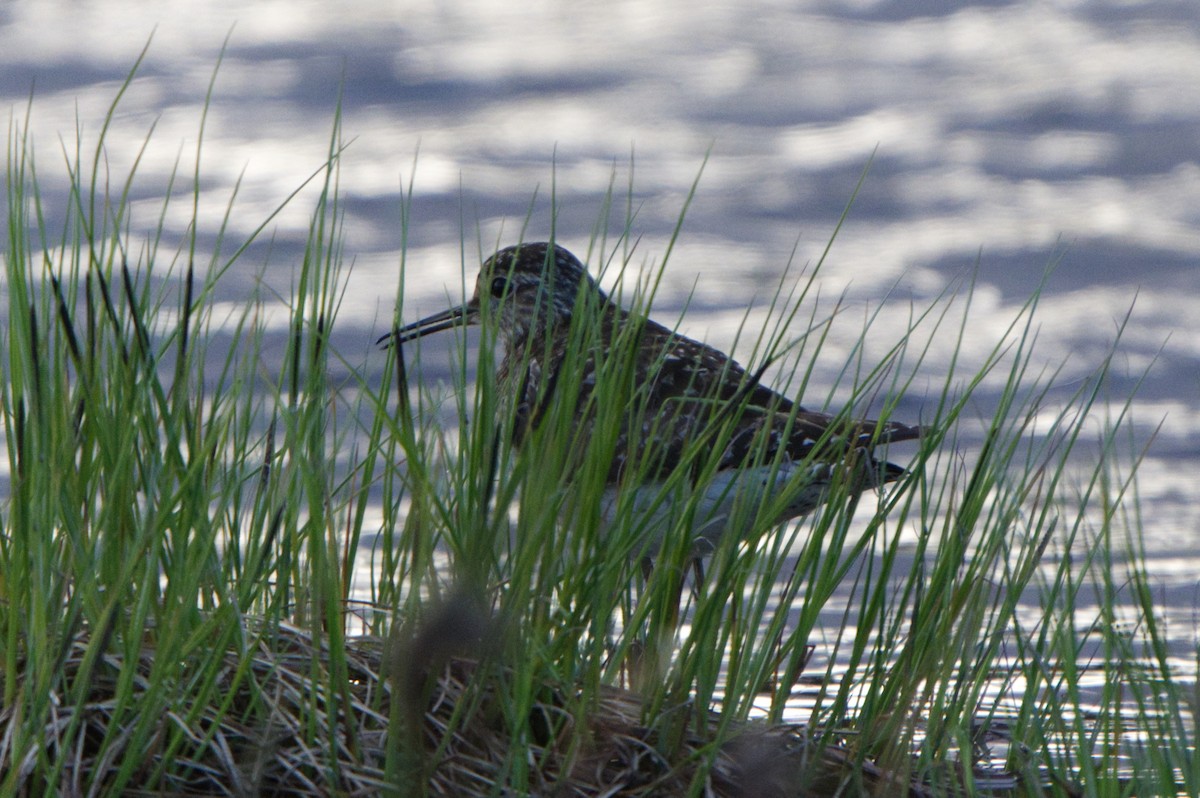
(184, 607)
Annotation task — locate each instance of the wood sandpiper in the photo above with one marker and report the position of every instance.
(683, 389)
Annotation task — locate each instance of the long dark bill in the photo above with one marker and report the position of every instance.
(454, 317)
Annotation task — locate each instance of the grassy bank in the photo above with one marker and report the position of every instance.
(184, 609)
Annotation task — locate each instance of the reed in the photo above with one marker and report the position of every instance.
(222, 572)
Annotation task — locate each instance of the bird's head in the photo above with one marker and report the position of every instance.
(520, 288)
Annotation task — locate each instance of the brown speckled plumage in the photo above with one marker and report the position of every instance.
(532, 291)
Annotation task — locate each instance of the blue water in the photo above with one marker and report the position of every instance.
(1000, 137)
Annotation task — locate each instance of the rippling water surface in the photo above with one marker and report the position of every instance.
(1001, 137)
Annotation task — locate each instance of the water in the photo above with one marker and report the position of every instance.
(1001, 137)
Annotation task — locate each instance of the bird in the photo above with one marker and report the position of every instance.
(686, 399)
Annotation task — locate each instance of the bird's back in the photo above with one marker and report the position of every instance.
(681, 392)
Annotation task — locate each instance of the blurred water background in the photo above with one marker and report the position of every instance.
(1002, 137)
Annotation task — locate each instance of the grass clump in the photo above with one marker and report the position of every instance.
(184, 608)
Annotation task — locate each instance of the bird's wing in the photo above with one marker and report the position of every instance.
(688, 370)
(697, 384)
(682, 393)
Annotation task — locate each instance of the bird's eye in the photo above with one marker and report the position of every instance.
(499, 285)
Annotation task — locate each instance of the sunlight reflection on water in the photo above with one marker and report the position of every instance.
(1005, 138)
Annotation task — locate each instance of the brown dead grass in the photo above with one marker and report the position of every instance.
(274, 727)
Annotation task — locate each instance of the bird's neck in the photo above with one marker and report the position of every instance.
(522, 341)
